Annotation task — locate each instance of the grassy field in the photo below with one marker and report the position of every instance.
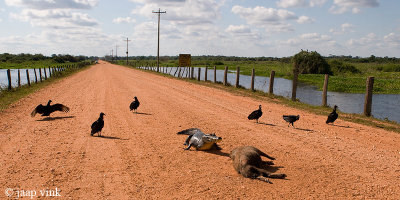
(387, 75)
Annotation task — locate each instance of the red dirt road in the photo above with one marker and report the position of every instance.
(141, 157)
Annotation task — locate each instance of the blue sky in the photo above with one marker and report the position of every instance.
(250, 28)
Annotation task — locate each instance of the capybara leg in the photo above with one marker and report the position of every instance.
(265, 173)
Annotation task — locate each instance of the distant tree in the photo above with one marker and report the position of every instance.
(311, 63)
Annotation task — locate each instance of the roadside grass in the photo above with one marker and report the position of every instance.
(7, 97)
(318, 110)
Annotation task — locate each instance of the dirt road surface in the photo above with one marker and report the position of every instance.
(142, 157)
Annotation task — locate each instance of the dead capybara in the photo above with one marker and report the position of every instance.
(247, 161)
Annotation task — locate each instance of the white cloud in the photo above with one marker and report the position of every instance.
(63, 41)
(242, 29)
(273, 20)
(120, 20)
(368, 40)
(316, 37)
(305, 20)
(243, 32)
(260, 15)
(180, 12)
(342, 6)
(312, 40)
(344, 28)
(300, 3)
(54, 14)
(392, 39)
(314, 3)
(55, 18)
(53, 4)
(292, 3)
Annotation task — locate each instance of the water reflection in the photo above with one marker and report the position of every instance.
(14, 76)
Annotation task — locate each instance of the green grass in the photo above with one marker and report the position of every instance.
(387, 75)
(8, 97)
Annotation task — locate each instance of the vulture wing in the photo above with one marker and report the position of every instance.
(255, 114)
(332, 117)
(94, 126)
(39, 109)
(286, 118)
(59, 107)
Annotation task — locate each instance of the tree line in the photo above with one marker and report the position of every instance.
(59, 58)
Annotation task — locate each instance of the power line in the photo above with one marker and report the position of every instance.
(158, 44)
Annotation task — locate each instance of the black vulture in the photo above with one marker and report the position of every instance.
(291, 119)
(333, 116)
(255, 114)
(98, 125)
(134, 105)
(48, 109)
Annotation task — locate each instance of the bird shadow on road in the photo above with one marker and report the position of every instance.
(263, 123)
(111, 137)
(55, 118)
(340, 126)
(140, 113)
(302, 129)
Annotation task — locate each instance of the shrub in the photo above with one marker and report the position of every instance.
(339, 67)
(391, 68)
(218, 63)
(311, 63)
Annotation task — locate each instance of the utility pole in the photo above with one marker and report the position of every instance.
(158, 44)
(112, 54)
(127, 50)
(116, 50)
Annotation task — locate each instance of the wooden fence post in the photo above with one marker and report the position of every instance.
(40, 74)
(9, 79)
(19, 79)
(252, 79)
(34, 69)
(198, 73)
(271, 82)
(49, 71)
(368, 96)
(215, 74)
(45, 73)
(27, 77)
(192, 72)
(237, 76)
(205, 74)
(226, 75)
(294, 85)
(325, 91)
